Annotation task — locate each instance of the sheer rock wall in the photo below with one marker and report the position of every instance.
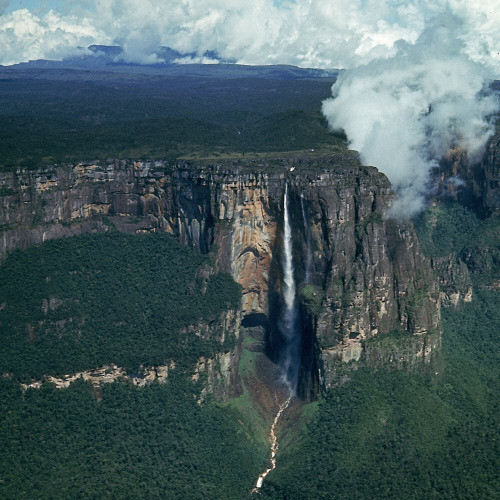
(369, 273)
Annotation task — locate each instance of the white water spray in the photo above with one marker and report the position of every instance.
(290, 357)
(290, 353)
(307, 231)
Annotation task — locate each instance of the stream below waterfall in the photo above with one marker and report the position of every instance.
(273, 438)
(290, 355)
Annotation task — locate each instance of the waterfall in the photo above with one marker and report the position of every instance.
(288, 325)
(307, 232)
(290, 358)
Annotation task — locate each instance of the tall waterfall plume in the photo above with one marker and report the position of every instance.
(307, 231)
(290, 355)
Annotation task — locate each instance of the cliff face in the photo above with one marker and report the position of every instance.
(474, 184)
(366, 277)
(454, 280)
(371, 275)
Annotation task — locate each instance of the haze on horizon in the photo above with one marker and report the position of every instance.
(418, 73)
(306, 33)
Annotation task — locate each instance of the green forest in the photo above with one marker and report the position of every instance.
(121, 299)
(394, 435)
(148, 442)
(125, 299)
(47, 122)
(82, 302)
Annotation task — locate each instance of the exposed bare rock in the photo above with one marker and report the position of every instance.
(370, 274)
(106, 375)
(474, 183)
(218, 374)
(454, 280)
(253, 237)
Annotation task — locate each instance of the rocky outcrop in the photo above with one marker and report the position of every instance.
(253, 235)
(369, 273)
(219, 373)
(473, 183)
(454, 280)
(370, 276)
(105, 375)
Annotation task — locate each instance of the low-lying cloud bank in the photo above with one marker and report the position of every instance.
(313, 33)
(403, 114)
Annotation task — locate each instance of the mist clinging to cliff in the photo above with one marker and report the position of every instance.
(405, 113)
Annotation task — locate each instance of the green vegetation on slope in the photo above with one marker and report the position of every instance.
(396, 435)
(84, 301)
(150, 442)
(452, 228)
(244, 407)
(78, 303)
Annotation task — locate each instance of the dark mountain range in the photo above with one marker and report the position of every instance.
(109, 59)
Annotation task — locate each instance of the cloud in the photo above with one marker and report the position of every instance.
(416, 69)
(24, 36)
(404, 113)
(195, 60)
(141, 44)
(314, 33)
(4, 4)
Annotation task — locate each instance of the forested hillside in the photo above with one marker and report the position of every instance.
(148, 442)
(389, 434)
(82, 302)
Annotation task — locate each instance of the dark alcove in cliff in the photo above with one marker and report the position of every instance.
(308, 385)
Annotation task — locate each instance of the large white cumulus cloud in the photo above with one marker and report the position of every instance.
(318, 33)
(25, 36)
(404, 113)
(416, 74)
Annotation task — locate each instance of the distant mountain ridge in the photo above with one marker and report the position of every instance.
(109, 58)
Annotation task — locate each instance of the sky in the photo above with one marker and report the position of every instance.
(308, 33)
(33, 5)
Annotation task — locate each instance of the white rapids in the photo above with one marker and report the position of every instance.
(274, 445)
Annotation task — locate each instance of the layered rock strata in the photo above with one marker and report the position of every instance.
(473, 183)
(369, 275)
(105, 375)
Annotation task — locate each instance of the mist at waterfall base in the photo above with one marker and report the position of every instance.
(405, 113)
(289, 359)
